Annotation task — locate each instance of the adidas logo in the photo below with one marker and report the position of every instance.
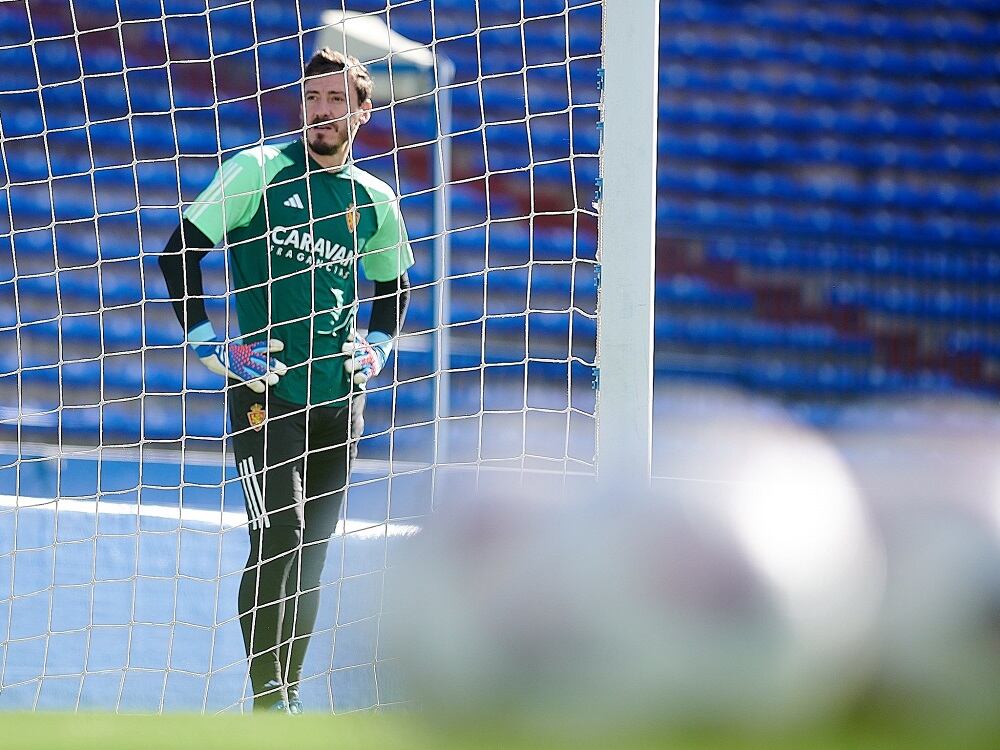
(294, 202)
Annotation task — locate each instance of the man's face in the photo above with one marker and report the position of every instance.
(332, 113)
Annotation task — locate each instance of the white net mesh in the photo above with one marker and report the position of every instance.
(122, 528)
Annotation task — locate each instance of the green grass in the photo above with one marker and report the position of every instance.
(382, 732)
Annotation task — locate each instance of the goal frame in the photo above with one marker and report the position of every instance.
(626, 246)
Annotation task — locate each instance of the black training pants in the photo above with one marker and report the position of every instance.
(294, 464)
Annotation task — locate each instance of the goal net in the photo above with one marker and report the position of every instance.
(123, 533)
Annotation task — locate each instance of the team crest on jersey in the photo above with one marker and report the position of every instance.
(256, 416)
(351, 217)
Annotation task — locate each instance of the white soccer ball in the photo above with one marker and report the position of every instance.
(743, 595)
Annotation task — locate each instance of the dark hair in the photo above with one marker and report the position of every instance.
(329, 60)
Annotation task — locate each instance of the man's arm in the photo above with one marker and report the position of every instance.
(392, 298)
(368, 354)
(180, 264)
(387, 256)
(228, 202)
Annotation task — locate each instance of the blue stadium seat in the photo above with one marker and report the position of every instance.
(20, 113)
(965, 342)
(690, 290)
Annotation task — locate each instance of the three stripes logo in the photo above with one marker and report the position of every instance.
(294, 202)
(251, 490)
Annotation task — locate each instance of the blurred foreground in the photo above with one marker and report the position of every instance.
(774, 581)
(311, 732)
(777, 586)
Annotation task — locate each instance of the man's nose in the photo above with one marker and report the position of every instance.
(324, 112)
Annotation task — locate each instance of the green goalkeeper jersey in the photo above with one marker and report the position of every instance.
(295, 233)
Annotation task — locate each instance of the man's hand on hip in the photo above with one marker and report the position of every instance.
(248, 363)
(366, 356)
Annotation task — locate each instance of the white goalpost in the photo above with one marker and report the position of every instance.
(626, 253)
(123, 533)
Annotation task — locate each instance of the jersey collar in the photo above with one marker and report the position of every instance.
(317, 168)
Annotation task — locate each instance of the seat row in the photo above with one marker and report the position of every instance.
(820, 381)
(819, 88)
(767, 151)
(763, 115)
(749, 335)
(886, 193)
(876, 58)
(679, 213)
(976, 267)
(943, 304)
(947, 25)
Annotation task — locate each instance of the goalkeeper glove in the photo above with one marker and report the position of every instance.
(366, 356)
(249, 363)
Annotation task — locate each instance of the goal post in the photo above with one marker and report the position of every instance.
(627, 239)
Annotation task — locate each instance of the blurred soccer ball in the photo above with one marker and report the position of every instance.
(741, 602)
(931, 470)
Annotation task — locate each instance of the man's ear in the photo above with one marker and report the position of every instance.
(366, 112)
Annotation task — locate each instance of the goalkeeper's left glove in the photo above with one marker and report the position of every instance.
(366, 356)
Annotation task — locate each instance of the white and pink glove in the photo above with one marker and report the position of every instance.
(366, 356)
(251, 364)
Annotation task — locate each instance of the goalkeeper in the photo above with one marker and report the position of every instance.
(296, 218)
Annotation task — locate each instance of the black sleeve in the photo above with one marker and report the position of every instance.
(180, 263)
(389, 306)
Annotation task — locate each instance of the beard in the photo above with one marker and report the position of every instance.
(324, 148)
(326, 143)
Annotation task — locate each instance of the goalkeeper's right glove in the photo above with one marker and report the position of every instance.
(365, 356)
(248, 363)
